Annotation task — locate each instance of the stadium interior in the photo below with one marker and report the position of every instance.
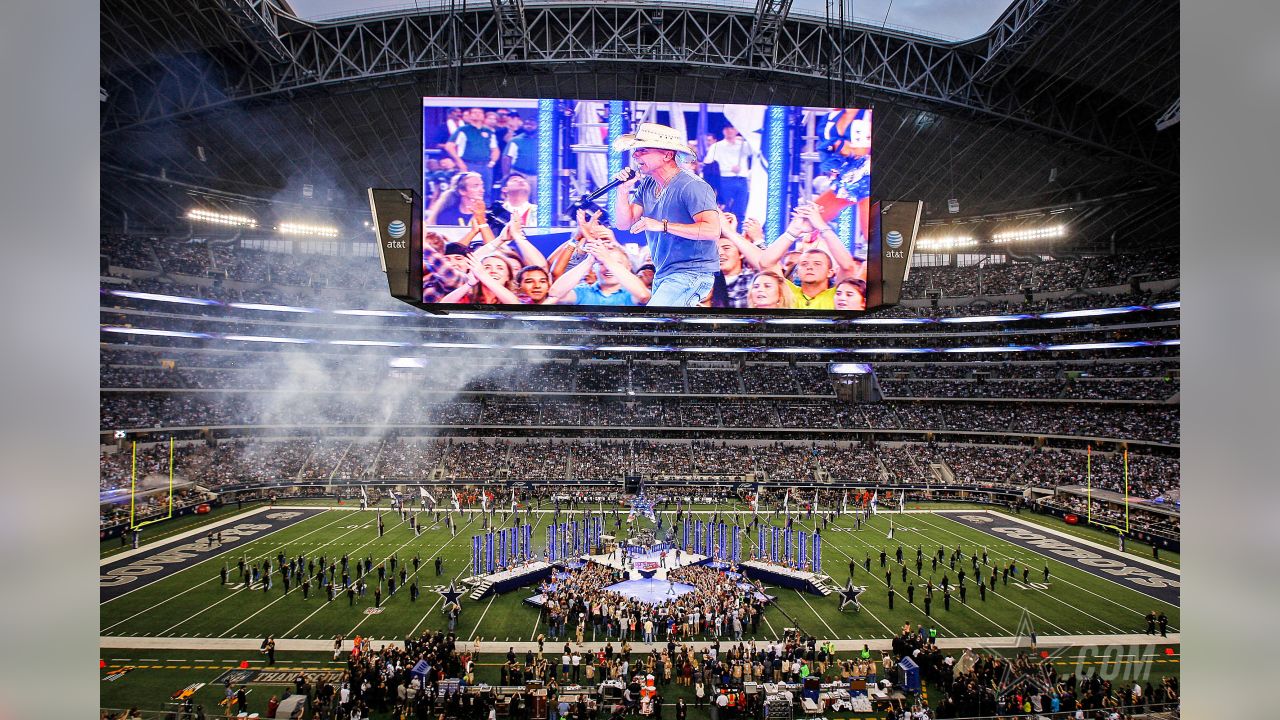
(1030, 372)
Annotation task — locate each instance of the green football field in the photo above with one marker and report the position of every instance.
(194, 604)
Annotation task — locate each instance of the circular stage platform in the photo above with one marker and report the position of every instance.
(650, 591)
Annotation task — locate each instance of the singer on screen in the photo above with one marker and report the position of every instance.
(677, 212)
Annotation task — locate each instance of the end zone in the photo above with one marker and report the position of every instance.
(121, 575)
(1147, 577)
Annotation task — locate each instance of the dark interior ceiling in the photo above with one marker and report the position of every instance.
(1113, 62)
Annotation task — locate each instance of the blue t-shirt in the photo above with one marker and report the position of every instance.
(475, 143)
(591, 295)
(686, 196)
(525, 153)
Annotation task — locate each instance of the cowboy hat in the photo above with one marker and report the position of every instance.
(652, 135)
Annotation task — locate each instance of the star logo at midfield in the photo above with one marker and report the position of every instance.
(849, 594)
(451, 595)
(1033, 678)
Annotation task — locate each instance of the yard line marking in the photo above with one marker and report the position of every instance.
(1009, 599)
(236, 592)
(481, 620)
(218, 577)
(1001, 542)
(415, 573)
(815, 612)
(298, 587)
(534, 635)
(824, 622)
(180, 534)
(256, 539)
(366, 617)
(847, 556)
(425, 616)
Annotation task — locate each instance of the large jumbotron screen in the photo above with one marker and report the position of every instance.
(732, 207)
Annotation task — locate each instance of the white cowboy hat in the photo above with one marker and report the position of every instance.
(652, 135)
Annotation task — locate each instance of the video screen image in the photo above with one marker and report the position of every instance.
(621, 204)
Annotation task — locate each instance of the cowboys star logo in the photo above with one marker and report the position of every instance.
(1034, 678)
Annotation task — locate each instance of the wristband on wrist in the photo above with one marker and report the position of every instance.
(664, 226)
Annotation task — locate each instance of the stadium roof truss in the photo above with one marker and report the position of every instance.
(162, 61)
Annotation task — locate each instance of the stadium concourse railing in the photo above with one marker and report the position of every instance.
(992, 494)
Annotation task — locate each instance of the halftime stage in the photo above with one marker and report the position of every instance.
(639, 564)
(652, 591)
(508, 580)
(786, 577)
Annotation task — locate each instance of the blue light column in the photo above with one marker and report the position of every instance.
(617, 126)
(844, 227)
(775, 153)
(546, 161)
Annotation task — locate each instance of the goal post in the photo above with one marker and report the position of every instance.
(133, 491)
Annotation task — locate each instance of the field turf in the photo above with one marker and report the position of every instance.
(192, 603)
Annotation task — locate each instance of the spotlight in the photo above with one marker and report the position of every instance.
(308, 230)
(217, 218)
(1048, 232)
(945, 243)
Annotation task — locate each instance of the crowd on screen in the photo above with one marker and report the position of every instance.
(480, 173)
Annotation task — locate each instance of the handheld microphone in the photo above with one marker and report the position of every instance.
(624, 175)
(587, 202)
